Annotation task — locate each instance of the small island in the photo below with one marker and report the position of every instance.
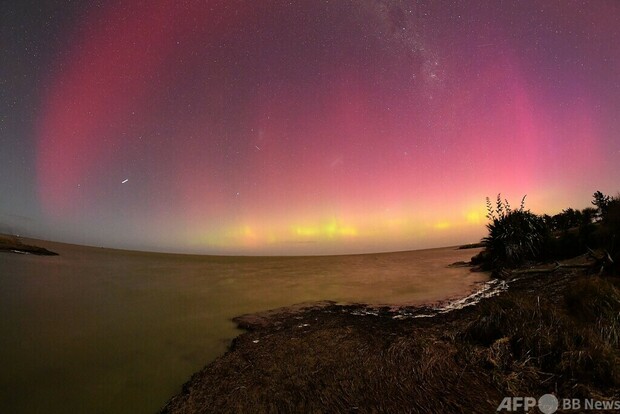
(13, 244)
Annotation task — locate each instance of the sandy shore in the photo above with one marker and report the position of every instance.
(520, 337)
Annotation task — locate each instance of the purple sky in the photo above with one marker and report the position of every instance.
(307, 127)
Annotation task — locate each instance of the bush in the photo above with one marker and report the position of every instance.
(515, 236)
(563, 246)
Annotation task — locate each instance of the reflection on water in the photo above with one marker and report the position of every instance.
(104, 331)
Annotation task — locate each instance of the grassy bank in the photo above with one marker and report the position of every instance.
(549, 333)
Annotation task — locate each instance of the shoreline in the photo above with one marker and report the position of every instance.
(13, 244)
(443, 357)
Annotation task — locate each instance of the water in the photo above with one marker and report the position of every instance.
(105, 331)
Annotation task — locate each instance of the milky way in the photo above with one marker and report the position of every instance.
(308, 127)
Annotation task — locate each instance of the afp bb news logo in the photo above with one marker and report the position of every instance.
(549, 404)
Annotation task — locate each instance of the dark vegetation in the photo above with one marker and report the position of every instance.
(519, 237)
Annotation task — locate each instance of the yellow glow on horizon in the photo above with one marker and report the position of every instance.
(474, 217)
(306, 231)
(442, 225)
(329, 230)
(248, 233)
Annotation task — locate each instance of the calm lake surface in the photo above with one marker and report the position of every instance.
(106, 331)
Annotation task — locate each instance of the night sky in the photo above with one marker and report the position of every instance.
(302, 127)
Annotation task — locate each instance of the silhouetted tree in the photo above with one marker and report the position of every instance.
(601, 201)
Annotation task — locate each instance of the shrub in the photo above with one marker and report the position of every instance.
(515, 236)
